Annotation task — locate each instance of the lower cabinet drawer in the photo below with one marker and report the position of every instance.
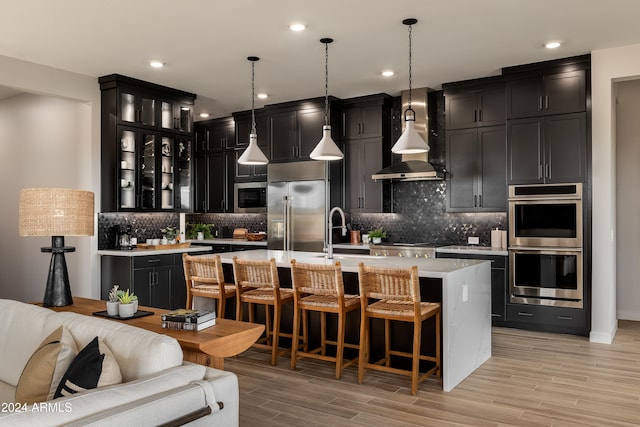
(152, 261)
(556, 319)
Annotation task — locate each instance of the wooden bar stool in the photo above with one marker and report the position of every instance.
(321, 288)
(205, 278)
(257, 283)
(397, 295)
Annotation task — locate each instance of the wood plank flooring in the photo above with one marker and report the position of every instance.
(532, 379)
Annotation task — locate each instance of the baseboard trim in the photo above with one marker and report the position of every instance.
(629, 315)
(603, 337)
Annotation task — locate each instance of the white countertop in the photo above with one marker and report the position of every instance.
(229, 242)
(145, 252)
(477, 250)
(350, 246)
(434, 267)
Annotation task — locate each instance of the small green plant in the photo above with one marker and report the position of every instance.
(113, 294)
(378, 232)
(169, 232)
(126, 297)
(193, 230)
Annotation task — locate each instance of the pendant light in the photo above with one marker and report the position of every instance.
(410, 141)
(326, 149)
(253, 155)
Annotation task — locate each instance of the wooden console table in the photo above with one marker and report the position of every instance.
(207, 347)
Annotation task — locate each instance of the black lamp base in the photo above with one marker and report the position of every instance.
(58, 291)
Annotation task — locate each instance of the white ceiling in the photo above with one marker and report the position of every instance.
(205, 43)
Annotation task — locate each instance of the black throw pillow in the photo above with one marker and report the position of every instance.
(84, 371)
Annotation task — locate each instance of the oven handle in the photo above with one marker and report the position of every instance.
(543, 249)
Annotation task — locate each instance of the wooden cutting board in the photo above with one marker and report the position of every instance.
(240, 233)
(156, 247)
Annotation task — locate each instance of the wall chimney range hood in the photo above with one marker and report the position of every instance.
(413, 167)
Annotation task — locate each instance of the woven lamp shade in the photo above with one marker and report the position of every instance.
(56, 212)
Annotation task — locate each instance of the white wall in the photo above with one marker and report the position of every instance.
(608, 66)
(49, 137)
(628, 199)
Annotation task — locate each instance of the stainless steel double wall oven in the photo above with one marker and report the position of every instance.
(546, 244)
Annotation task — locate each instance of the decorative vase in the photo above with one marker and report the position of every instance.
(200, 235)
(112, 308)
(126, 310)
(376, 240)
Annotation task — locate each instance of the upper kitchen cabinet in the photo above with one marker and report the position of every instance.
(476, 165)
(214, 135)
(296, 127)
(548, 149)
(474, 106)
(146, 146)
(546, 88)
(367, 132)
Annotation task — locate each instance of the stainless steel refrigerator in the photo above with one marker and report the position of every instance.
(296, 206)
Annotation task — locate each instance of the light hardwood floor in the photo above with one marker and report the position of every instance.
(532, 379)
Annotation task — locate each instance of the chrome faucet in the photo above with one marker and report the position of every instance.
(331, 227)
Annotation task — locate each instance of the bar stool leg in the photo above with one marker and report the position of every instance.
(305, 329)
(387, 342)
(221, 304)
(276, 332)
(438, 320)
(415, 363)
(363, 354)
(268, 327)
(323, 333)
(296, 336)
(340, 345)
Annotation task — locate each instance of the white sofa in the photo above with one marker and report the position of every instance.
(157, 388)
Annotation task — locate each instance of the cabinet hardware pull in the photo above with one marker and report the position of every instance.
(475, 116)
(540, 103)
(540, 171)
(480, 201)
(480, 116)
(222, 205)
(546, 102)
(565, 317)
(154, 260)
(344, 124)
(475, 201)
(363, 128)
(524, 313)
(547, 171)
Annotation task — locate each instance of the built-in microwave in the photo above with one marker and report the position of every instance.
(548, 215)
(250, 197)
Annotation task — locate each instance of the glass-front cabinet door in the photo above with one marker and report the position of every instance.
(166, 179)
(128, 167)
(176, 116)
(183, 177)
(137, 109)
(148, 171)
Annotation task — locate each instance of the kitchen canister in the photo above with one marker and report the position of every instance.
(355, 237)
(496, 238)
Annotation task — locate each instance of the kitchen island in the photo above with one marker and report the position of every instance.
(465, 297)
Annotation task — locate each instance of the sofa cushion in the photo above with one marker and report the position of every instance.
(94, 366)
(100, 399)
(45, 367)
(22, 328)
(139, 352)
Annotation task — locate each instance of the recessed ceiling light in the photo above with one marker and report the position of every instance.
(156, 64)
(388, 73)
(263, 96)
(204, 115)
(297, 27)
(552, 45)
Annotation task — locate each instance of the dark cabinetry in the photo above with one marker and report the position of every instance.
(214, 187)
(550, 149)
(476, 160)
(475, 108)
(367, 133)
(295, 128)
(157, 280)
(556, 93)
(548, 319)
(476, 146)
(146, 146)
(499, 276)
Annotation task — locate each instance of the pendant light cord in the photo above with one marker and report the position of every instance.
(326, 84)
(410, 81)
(253, 99)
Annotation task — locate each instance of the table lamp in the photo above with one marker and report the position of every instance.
(56, 212)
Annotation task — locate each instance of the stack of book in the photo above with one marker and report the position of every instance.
(190, 320)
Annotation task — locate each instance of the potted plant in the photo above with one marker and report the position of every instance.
(169, 233)
(114, 301)
(199, 231)
(377, 235)
(127, 307)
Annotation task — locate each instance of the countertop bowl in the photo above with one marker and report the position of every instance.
(256, 237)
